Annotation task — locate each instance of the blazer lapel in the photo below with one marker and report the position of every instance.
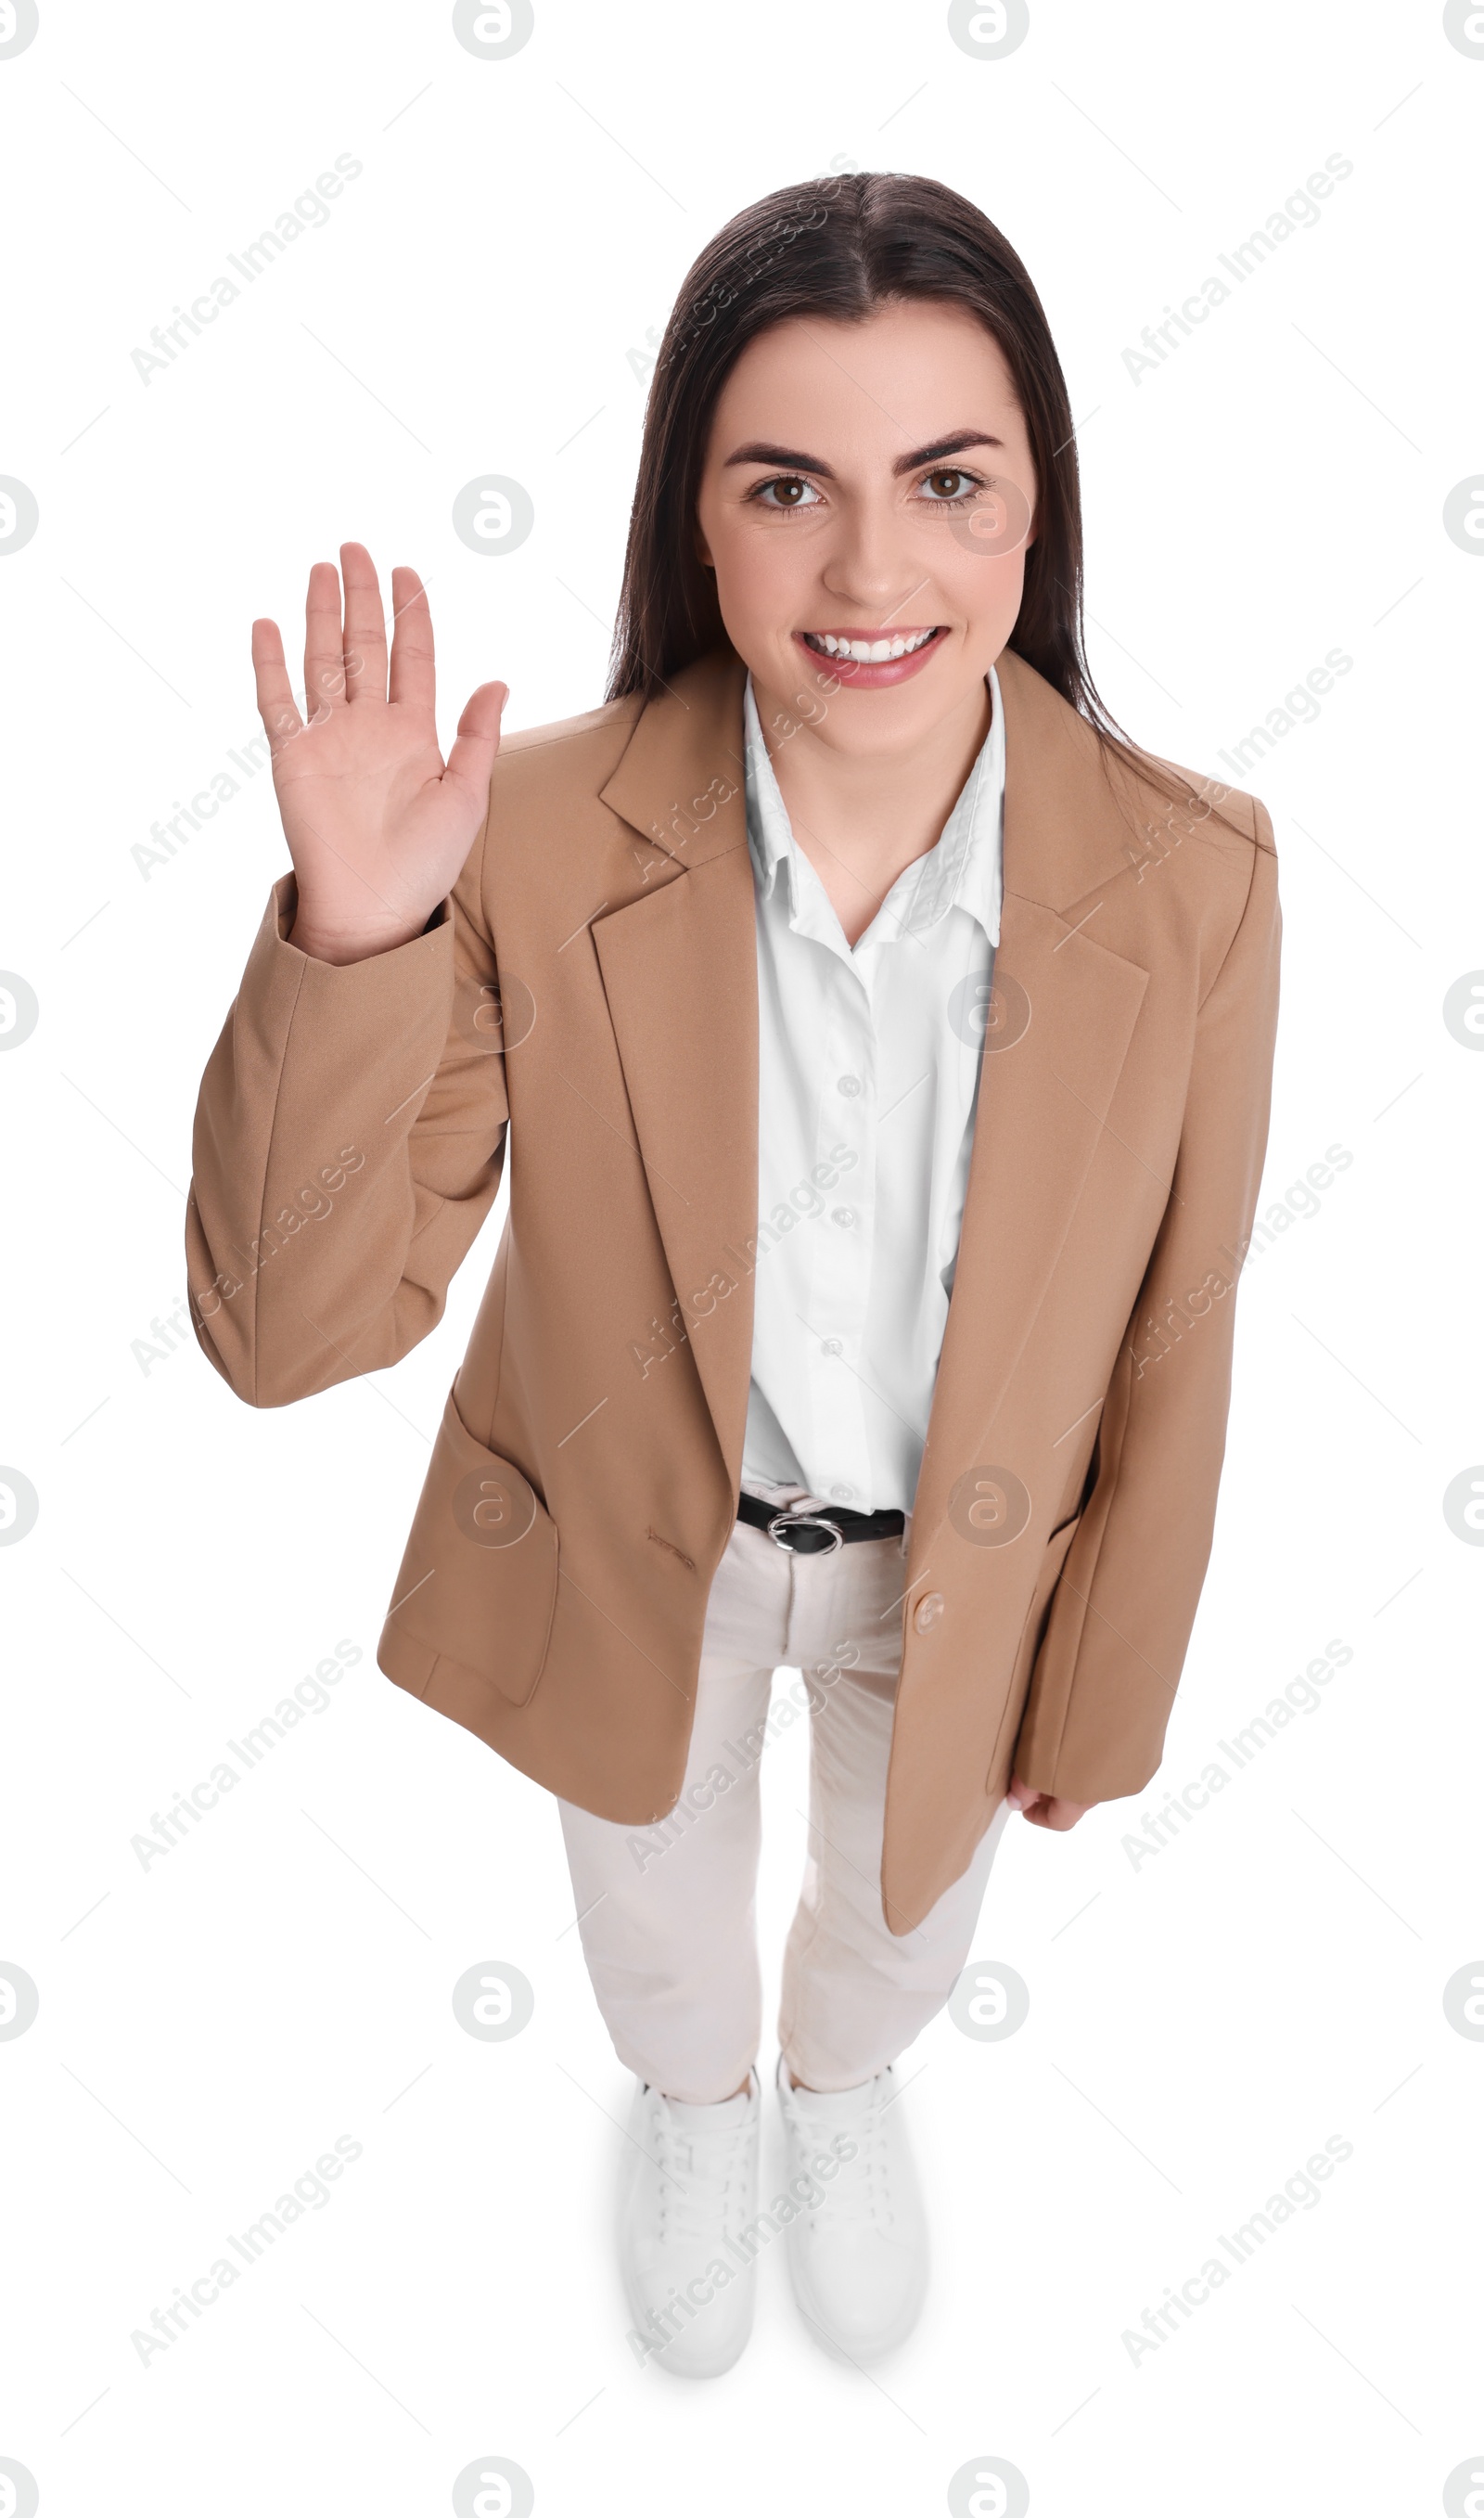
(1062, 1015)
(679, 966)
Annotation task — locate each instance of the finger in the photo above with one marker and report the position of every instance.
(323, 664)
(412, 673)
(478, 741)
(281, 720)
(365, 628)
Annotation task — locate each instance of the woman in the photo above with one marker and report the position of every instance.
(885, 1047)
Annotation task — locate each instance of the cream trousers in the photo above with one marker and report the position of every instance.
(667, 1912)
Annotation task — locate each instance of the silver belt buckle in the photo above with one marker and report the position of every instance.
(806, 1521)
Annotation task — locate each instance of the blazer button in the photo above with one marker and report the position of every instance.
(929, 1610)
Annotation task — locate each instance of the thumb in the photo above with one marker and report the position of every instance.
(478, 740)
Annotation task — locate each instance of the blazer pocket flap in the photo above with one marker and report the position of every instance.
(478, 1582)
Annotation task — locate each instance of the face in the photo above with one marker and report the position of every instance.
(867, 503)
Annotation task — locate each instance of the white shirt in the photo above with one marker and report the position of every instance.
(869, 1075)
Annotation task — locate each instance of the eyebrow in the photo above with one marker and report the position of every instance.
(788, 460)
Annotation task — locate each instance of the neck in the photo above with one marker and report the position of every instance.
(863, 819)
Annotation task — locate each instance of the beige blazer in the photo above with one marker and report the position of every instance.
(592, 979)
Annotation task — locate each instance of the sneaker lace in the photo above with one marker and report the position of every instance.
(859, 2191)
(701, 2177)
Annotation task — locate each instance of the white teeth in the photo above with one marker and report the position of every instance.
(867, 651)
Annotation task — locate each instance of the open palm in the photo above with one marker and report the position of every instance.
(378, 823)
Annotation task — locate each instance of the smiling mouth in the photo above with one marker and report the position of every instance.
(881, 650)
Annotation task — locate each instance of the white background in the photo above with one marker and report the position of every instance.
(479, 300)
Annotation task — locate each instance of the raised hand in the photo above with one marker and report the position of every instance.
(378, 823)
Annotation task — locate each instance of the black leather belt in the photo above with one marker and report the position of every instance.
(812, 1534)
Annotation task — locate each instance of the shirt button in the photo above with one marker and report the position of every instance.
(849, 1085)
(844, 1215)
(841, 1495)
(831, 1346)
(929, 1610)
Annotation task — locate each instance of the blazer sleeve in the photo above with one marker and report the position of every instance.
(1105, 1675)
(350, 1135)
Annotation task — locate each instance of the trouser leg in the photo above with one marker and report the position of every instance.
(855, 1993)
(667, 1913)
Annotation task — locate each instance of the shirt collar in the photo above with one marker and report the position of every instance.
(965, 870)
(770, 836)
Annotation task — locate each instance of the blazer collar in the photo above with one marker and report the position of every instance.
(679, 782)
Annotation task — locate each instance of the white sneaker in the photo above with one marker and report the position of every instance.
(858, 2251)
(687, 2187)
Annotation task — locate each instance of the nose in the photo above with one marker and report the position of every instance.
(871, 565)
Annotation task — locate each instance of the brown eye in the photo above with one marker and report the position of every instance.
(788, 494)
(945, 485)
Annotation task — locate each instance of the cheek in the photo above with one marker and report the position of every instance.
(987, 592)
(759, 568)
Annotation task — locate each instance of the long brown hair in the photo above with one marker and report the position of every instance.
(837, 248)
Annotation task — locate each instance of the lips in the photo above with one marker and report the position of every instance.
(869, 659)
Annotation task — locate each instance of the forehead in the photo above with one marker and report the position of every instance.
(900, 376)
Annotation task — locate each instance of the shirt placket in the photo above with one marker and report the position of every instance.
(847, 1144)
